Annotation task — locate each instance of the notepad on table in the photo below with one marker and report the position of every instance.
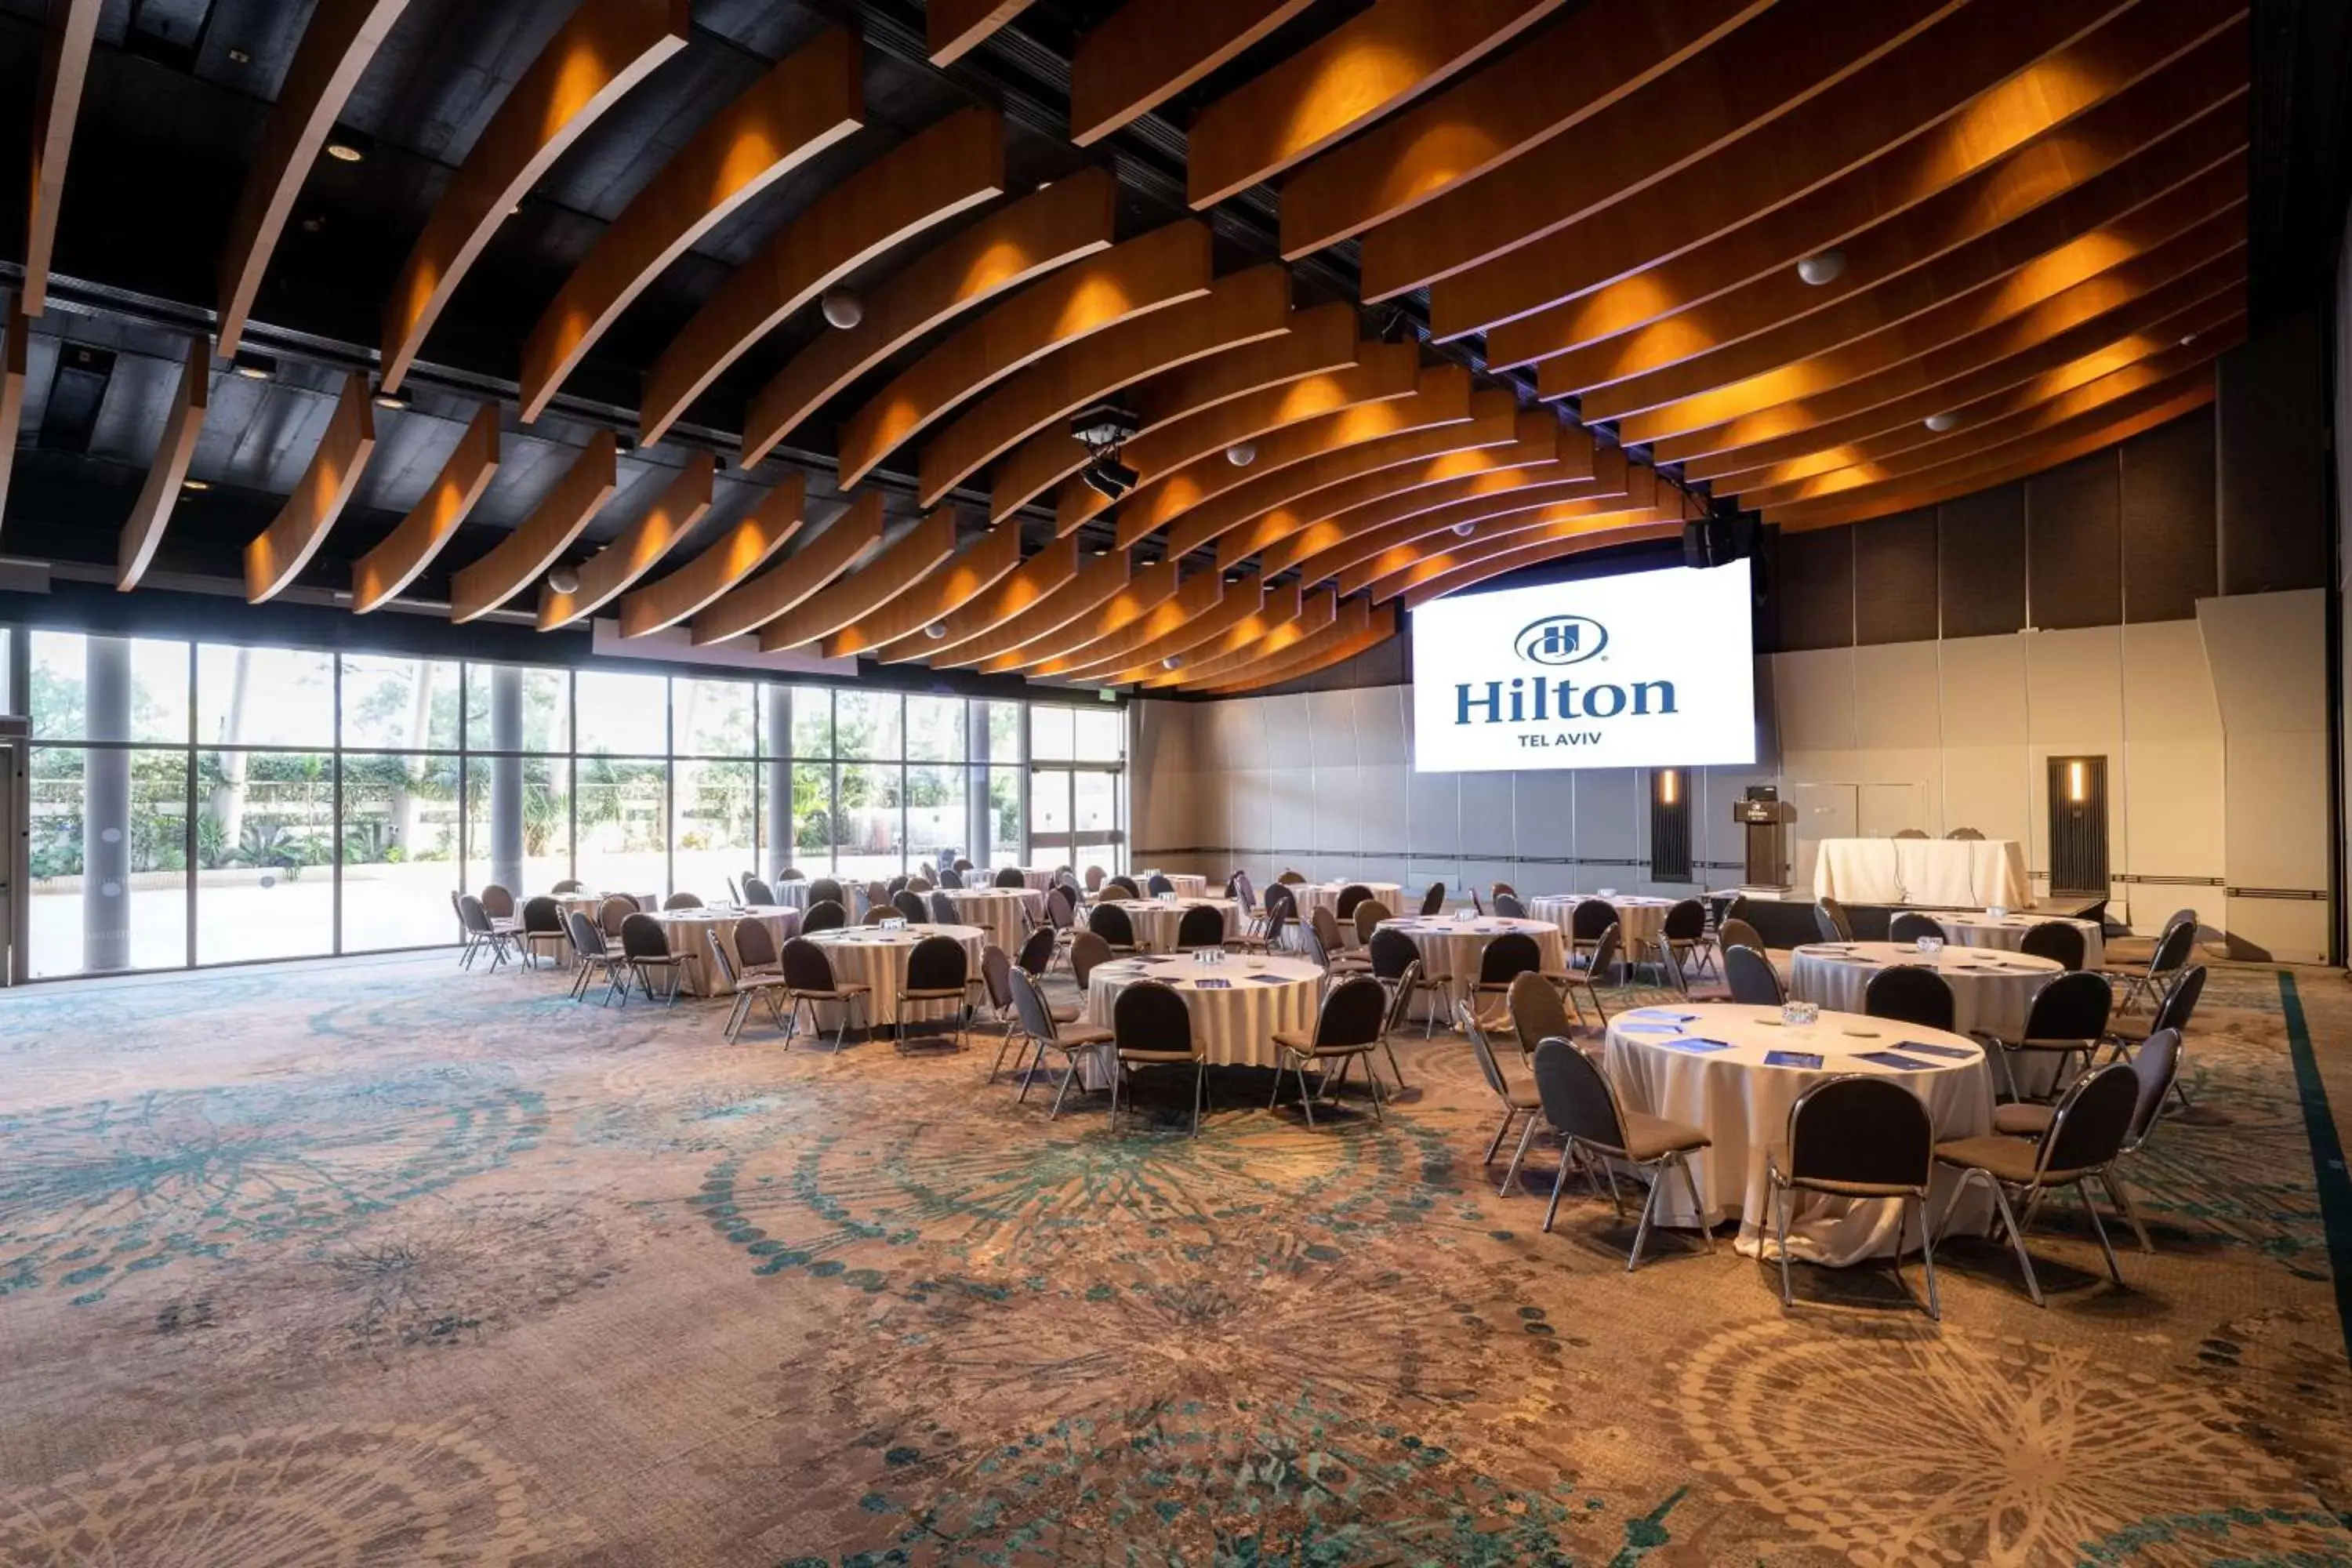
(1792, 1060)
(1696, 1046)
(1212, 985)
(1932, 1048)
(1267, 979)
(1651, 1028)
(1894, 1059)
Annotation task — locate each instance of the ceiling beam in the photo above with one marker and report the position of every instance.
(1357, 628)
(1244, 595)
(953, 584)
(142, 531)
(638, 549)
(561, 515)
(953, 29)
(899, 567)
(274, 559)
(1147, 591)
(1318, 610)
(68, 34)
(1148, 51)
(1094, 584)
(386, 571)
(1025, 585)
(726, 561)
(1198, 596)
(1277, 604)
(853, 530)
(1571, 539)
(15, 355)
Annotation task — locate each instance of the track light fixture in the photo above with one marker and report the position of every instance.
(254, 366)
(1826, 267)
(191, 486)
(842, 307)
(384, 399)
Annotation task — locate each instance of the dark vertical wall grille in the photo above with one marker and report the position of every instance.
(2078, 828)
(1670, 826)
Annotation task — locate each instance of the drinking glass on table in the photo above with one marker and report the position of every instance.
(1929, 946)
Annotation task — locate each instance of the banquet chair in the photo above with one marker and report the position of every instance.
(1394, 955)
(566, 885)
(1347, 1026)
(1579, 1101)
(909, 904)
(1115, 926)
(1151, 1027)
(734, 892)
(1061, 915)
(2069, 1015)
(1203, 925)
(1753, 980)
(1516, 1101)
(1120, 888)
(1587, 920)
(894, 885)
(499, 905)
(615, 908)
(939, 969)
(1336, 956)
(1157, 884)
(644, 947)
(1684, 938)
(1369, 916)
(950, 877)
(825, 914)
(876, 914)
(943, 909)
(1498, 891)
(1433, 903)
(996, 971)
(1911, 833)
(592, 956)
(1354, 893)
(1507, 905)
(682, 901)
(1910, 925)
(757, 892)
(1291, 879)
(2172, 950)
(1036, 954)
(482, 933)
(827, 890)
(1045, 1032)
(749, 989)
(2178, 1004)
(1539, 1013)
(1910, 995)
(1397, 1014)
(2085, 1134)
(791, 874)
(2157, 1068)
(1095, 875)
(1505, 958)
(2059, 940)
(1589, 969)
(1965, 833)
(1857, 1136)
(755, 947)
(1010, 876)
(1086, 950)
(808, 970)
(1736, 932)
(919, 886)
(543, 926)
(1829, 919)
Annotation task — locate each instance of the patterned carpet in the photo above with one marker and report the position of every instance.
(387, 1264)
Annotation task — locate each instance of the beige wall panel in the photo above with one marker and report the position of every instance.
(1812, 699)
(1984, 692)
(2292, 931)
(1330, 730)
(2168, 688)
(2268, 660)
(2174, 804)
(1894, 688)
(1985, 788)
(2277, 785)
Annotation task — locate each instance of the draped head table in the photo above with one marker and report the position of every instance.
(876, 958)
(697, 932)
(999, 912)
(1155, 920)
(1236, 1005)
(1991, 992)
(1734, 1071)
(1454, 947)
(1641, 920)
(1958, 873)
(2008, 932)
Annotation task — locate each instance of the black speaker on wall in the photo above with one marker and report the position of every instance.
(1718, 541)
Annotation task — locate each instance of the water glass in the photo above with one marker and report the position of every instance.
(1997, 912)
(1608, 893)
(1800, 1014)
(1929, 946)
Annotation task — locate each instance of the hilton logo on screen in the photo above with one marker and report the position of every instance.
(1555, 641)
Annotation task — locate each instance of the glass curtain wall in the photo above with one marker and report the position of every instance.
(200, 804)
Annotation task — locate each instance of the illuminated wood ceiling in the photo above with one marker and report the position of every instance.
(1403, 296)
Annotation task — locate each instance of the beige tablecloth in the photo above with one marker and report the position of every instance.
(1155, 920)
(696, 931)
(1991, 991)
(2007, 932)
(1455, 947)
(1187, 886)
(1959, 873)
(877, 959)
(1743, 1102)
(1233, 1024)
(1327, 894)
(998, 912)
(1640, 921)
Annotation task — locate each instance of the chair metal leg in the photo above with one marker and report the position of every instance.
(1698, 1204)
(1788, 1200)
(1070, 1073)
(1927, 1253)
(1200, 1092)
(2121, 1193)
(1511, 1114)
(1306, 1100)
(1527, 1136)
(2091, 1207)
(1559, 1180)
(1387, 1045)
(1642, 1230)
(2017, 1242)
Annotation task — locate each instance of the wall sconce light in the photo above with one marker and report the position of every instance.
(1668, 785)
(2078, 784)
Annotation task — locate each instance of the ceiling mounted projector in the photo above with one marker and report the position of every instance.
(1105, 425)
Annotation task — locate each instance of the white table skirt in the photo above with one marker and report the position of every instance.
(1743, 1102)
(877, 959)
(1155, 923)
(696, 931)
(1991, 992)
(1314, 895)
(1455, 947)
(1187, 885)
(1233, 1025)
(2006, 933)
(1962, 873)
(1640, 921)
(997, 911)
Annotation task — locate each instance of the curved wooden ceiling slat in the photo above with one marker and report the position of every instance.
(513, 562)
(1146, 591)
(1068, 220)
(1277, 606)
(1746, 279)
(1093, 586)
(386, 571)
(955, 583)
(1316, 610)
(1353, 628)
(1494, 422)
(1027, 585)
(339, 41)
(638, 549)
(1314, 342)
(1441, 396)
(1377, 632)
(728, 560)
(1150, 272)
(1360, 70)
(1975, 288)
(1148, 51)
(70, 31)
(1964, 90)
(1516, 539)
(1383, 372)
(2212, 244)
(1242, 596)
(953, 29)
(1758, 74)
(1573, 539)
(1198, 596)
(933, 176)
(604, 50)
(753, 603)
(1245, 306)
(277, 555)
(152, 512)
(899, 567)
(811, 99)
(16, 356)
(1384, 572)
(2163, 315)
(1565, 74)
(1330, 547)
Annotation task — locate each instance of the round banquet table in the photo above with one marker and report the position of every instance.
(1232, 1023)
(1641, 921)
(998, 912)
(697, 932)
(593, 904)
(1040, 879)
(1155, 920)
(1741, 1099)
(1991, 990)
(1455, 947)
(876, 958)
(792, 893)
(2005, 933)
(1187, 886)
(1327, 894)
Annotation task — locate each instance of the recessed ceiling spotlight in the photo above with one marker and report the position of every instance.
(842, 307)
(385, 399)
(1241, 454)
(563, 580)
(1174, 661)
(1824, 268)
(254, 366)
(1940, 423)
(1100, 550)
(196, 484)
(2188, 339)
(936, 630)
(348, 146)
(1464, 530)
(1233, 577)
(313, 224)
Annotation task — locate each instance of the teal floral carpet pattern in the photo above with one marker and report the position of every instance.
(383, 1264)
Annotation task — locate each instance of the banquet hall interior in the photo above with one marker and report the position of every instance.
(1246, 782)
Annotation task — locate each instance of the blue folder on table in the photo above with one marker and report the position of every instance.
(1652, 1028)
(1267, 979)
(1894, 1059)
(1792, 1060)
(1930, 1048)
(1212, 985)
(1697, 1047)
